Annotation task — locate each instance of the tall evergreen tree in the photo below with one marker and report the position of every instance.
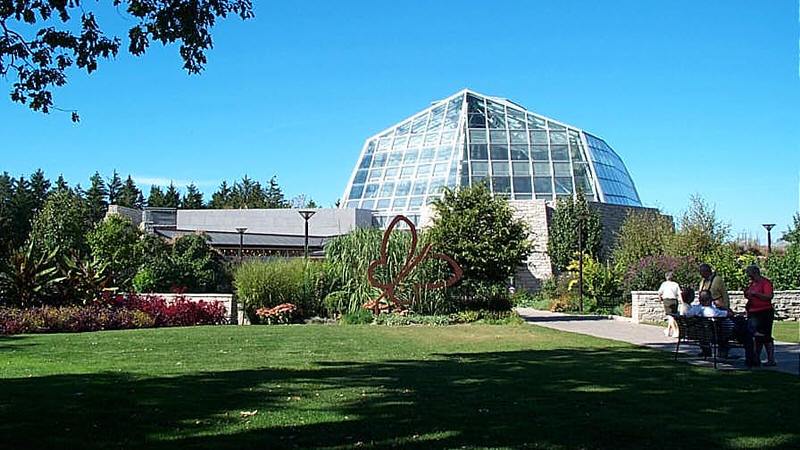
(274, 195)
(22, 210)
(221, 199)
(172, 198)
(130, 195)
(40, 189)
(97, 198)
(248, 194)
(6, 213)
(114, 188)
(156, 197)
(61, 184)
(193, 198)
(562, 245)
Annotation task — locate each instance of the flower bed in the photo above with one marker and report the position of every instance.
(116, 313)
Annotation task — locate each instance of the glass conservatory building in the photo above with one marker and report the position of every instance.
(472, 138)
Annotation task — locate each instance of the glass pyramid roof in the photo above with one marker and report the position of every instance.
(471, 138)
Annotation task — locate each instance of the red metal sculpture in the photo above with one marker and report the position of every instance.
(388, 300)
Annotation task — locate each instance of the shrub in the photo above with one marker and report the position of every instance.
(357, 317)
(643, 233)
(731, 266)
(700, 233)
(28, 277)
(601, 282)
(477, 295)
(401, 320)
(61, 225)
(648, 273)
(487, 317)
(784, 269)
(178, 313)
(480, 232)
(189, 264)
(266, 284)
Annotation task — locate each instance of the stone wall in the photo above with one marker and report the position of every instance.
(225, 299)
(537, 267)
(647, 308)
(612, 217)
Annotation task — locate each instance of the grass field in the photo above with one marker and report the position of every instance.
(337, 387)
(786, 331)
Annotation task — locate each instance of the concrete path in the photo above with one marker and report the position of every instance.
(787, 355)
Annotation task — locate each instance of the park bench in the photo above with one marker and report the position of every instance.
(704, 330)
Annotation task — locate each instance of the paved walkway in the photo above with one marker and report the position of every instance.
(787, 355)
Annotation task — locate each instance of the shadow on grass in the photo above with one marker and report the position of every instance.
(564, 318)
(593, 398)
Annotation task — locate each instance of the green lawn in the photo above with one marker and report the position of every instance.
(786, 331)
(320, 386)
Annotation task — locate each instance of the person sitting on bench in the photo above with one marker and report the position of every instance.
(729, 324)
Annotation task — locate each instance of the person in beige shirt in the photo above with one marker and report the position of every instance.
(713, 282)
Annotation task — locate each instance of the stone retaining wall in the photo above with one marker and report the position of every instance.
(225, 299)
(646, 307)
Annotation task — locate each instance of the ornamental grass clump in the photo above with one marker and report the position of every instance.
(269, 283)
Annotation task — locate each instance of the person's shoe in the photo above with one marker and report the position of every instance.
(770, 364)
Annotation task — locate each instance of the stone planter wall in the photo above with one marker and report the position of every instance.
(646, 307)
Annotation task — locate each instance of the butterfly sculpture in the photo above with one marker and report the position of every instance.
(388, 300)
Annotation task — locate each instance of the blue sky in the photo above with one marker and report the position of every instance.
(696, 97)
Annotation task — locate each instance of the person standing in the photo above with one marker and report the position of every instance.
(670, 295)
(760, 312)
(714, 283)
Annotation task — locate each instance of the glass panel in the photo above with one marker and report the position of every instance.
(559, 152)
(521, 168)
(403, 188)
(415, 203)
(500, 168)
(400, 203)
(539, 137)
(519, 152)
(558, 137)
(388, 189)
(522, 185)
(411, 157)
(476, 179)
(420, 186)
(367, 204)
(555, 126)
(352, 204)
(499, 152)
(383, 203)
(356, 191)
(448, 137)
(436, 186)
(400, 143)
(519, 137)
(361, 176)
(542, 185)
(443, 154)
(440, 170)
(498, 137)
(418, 126)
(564, 185)
(415, 141)
(544, 196)
(384, 144)
(516, 119)
(404, 128)
(423, 171)
(518, 196)
(380, 159)
(431, 139)
(541, 169)
(427, 155)
(501, 184)
(497, 115)
(539, 153)
(365, 161)
(391, 173)
(480, 168)
(478, 151)
(437, 115)
(407, 172)
(371, 191)
(477, 137)
(476, 112)
(395, 158)
(561, 169)
(375, 174)
(535, 123)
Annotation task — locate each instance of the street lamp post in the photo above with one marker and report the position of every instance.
(769, 226)
(306, 215)
(241, 231)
